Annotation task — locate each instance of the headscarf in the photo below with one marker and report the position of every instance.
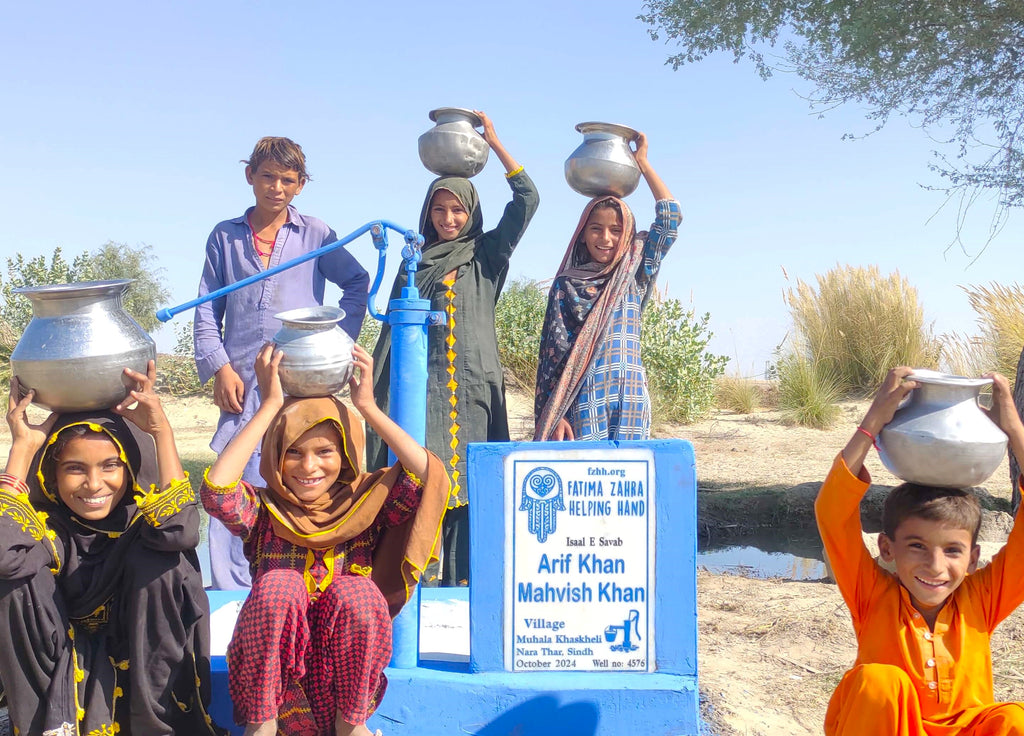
(582, 299)
(351, 505)
(440, 257)
(96, 548)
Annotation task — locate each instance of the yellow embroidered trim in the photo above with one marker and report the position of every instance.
(93, 621)
(157, 504)
(311, 584)
(17, 507)
(452, 385)
(357, 569)
(77, 676)
(413, 477)
(216, 488)
(510, 174)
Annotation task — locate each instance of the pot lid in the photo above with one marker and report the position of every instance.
(474, 119)
(614, 128)
(937, 378)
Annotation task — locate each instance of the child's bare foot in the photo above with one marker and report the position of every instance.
(344, 728)
(267, 728)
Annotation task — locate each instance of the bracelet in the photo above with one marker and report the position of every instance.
(13, 482)
(871, 437)
(510, 174)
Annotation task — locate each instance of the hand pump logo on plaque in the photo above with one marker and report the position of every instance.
(579, 579)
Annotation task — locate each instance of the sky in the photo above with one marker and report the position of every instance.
(127, 121)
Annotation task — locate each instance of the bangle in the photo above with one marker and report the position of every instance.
(870, 436)
(13, 482)
(510, 174)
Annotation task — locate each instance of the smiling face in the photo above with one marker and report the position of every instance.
(447, 214)
(274, 186)
(313, 462)
(91, 479)
(932, 559)
(602, 233)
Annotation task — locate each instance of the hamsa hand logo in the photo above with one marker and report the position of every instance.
(542, 498)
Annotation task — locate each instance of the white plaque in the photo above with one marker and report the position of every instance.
(579, 560)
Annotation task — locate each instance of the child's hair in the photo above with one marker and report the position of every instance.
(284, 152)
(607, 204)
(953, 507)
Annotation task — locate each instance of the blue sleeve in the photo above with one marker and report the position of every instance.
(207, 332)
(667, 217)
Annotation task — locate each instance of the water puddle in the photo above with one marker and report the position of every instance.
(764, 556)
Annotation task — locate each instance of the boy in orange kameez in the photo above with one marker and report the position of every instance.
(924, 663)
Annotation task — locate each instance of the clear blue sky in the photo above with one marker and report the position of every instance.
(126, 122)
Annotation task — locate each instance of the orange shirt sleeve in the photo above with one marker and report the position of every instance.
(1000, 584)
(837, 510)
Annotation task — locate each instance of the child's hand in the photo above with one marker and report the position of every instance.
(890, 394)
(562, 431)
(1003, 411)
(361, 389)
(27, 437)
(228, 390)
(489, 135)
(148, 413)
(640, 149)
(268, 362)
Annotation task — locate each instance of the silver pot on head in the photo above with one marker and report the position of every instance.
(603, 165)
(453, 147)
(74, 350)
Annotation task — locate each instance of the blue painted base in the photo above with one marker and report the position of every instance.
(429, 702)
(440, 702)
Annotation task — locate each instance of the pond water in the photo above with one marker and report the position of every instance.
(764, 556)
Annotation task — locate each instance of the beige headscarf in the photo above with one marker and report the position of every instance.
(351, 505)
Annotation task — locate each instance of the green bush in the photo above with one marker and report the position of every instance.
(176, 372)
(808, 391)
(858, 324)
(518, 320)
(369, 333)
(681, 372)
(111, 261)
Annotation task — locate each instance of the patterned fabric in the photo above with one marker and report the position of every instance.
(240, 510)
(610, 400)
(302, 661)
(613, 402)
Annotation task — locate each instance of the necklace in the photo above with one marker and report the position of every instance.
(256, 240)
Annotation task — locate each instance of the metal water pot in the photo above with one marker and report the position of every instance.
(317, 352)
(453, 147)
(74, 350)
(603, 165)
(940, 436)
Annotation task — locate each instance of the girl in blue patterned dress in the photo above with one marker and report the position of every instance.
(591, 383)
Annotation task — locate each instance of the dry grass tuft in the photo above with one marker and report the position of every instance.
(808, 392)
(857, 324)
(1000, 311)
(738, 394)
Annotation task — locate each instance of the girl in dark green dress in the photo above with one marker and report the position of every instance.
(462, 274)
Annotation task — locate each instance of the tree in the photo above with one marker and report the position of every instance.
(954, 67)
(111, 261)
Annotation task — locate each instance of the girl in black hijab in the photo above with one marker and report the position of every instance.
(106, 624)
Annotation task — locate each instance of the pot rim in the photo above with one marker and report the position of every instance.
(937, 378)
(312, 316)
(615, 128)
(474, 119)
(74, 289)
